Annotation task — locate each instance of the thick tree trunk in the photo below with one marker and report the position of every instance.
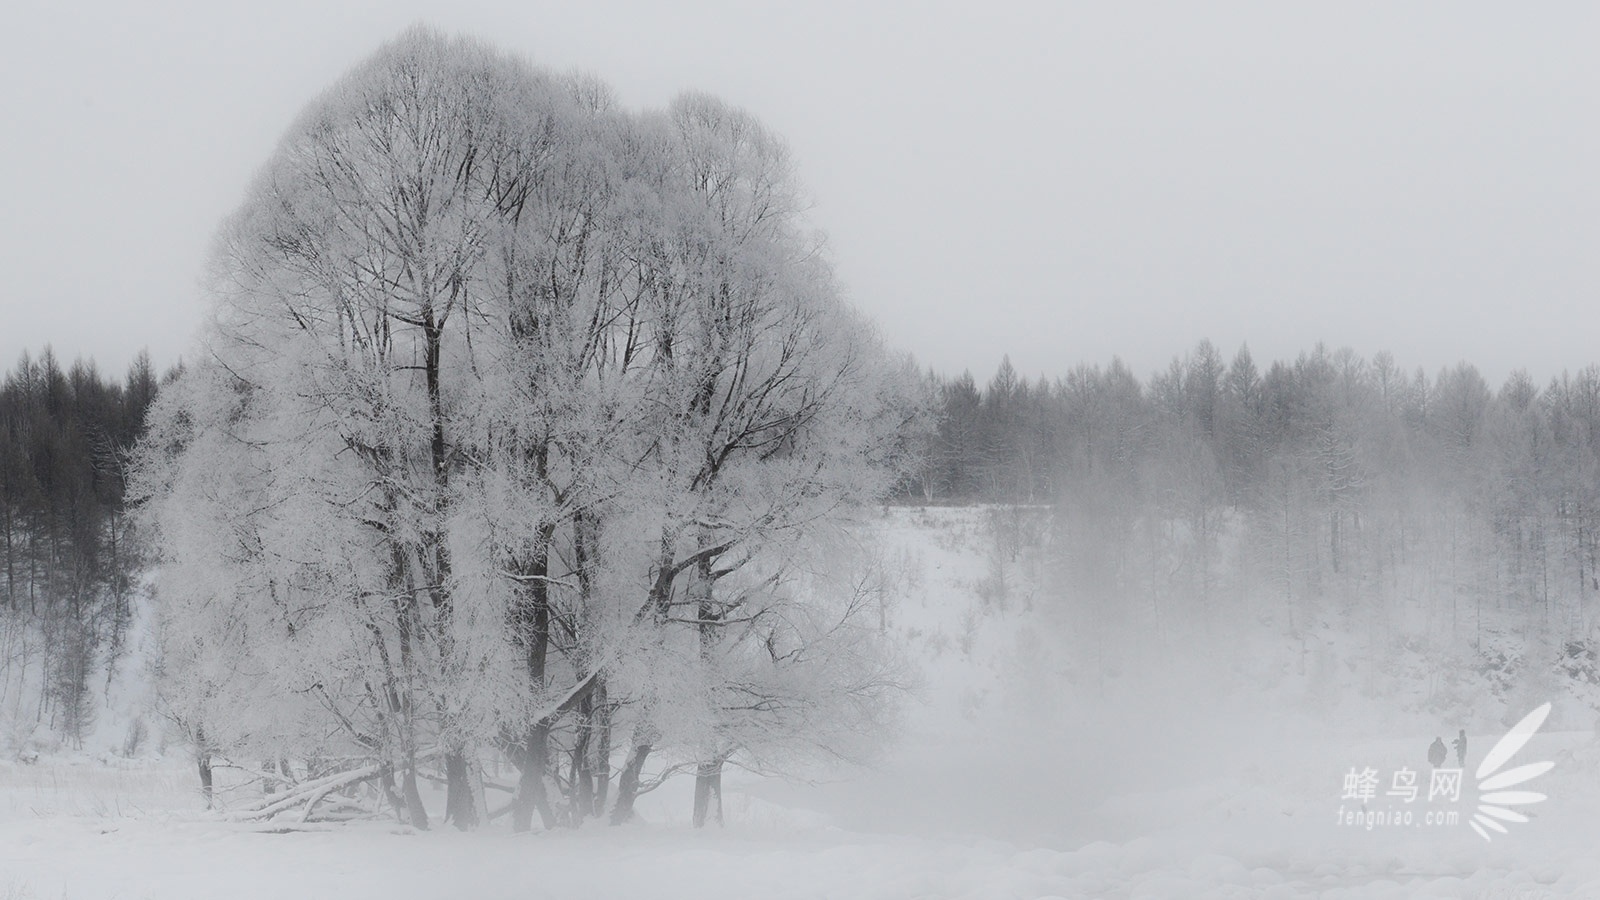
(416, 813)
(585, 759)
(532, 795)
(708, 776)
(203, 762)
(531, 626)
(628, 784)
(480, 803)
(391, 791)
(205, 777)
(459, 808)
(436, 555)
(401, 700)
(581, 775)
(708, 793)
(602, 751)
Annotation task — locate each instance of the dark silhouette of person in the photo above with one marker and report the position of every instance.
(1437, 753)
(1461, 749)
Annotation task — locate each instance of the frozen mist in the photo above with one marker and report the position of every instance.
(538, 517)
(1202, 780)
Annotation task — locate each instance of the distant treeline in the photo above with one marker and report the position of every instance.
(66, 564)
(1331, 476)
(1340, 474)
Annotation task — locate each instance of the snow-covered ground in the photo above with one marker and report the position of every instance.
(1024, 773)
(82, 834)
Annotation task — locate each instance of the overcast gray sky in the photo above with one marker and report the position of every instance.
(1060, 182)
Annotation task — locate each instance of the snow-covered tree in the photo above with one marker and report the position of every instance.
(503, 388)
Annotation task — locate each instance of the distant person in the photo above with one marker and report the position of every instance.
(1437, 752)
(1461, 749)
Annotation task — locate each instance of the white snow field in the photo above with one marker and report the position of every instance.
(1048, 753)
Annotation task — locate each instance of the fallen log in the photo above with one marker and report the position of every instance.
(307, 792)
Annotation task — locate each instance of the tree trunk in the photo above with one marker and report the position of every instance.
(416, 813)
(708, 777)
(458, 805)
(480, 803)
(628, 784)
(587, 758)
(708, 793)
(531, 626)
(391, 791)
(203, 762)
(531, 792)
(581, 776)
(602, 752)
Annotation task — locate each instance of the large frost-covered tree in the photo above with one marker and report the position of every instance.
(507, 397)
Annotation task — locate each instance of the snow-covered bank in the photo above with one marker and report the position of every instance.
(88, 832)
(1023, 774)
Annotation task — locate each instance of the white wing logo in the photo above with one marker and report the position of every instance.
(1493, 796)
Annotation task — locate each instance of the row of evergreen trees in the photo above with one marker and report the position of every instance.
(67, 567)
(1217, 484)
